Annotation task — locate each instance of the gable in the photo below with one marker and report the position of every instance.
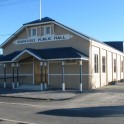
(25, 37)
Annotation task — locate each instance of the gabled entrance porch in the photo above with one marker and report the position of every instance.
(40, 72)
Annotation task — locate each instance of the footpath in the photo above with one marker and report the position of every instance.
(57, 94)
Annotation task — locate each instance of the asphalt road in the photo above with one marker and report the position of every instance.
(101, 107)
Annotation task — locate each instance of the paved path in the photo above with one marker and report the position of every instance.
(41, 95)
(58, 94)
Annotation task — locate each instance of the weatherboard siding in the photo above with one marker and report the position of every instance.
(71, 75)
(75, 42)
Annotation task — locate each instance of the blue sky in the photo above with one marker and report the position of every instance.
(101, 19)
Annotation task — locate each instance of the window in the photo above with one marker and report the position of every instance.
(29, 32)
(47, 30)
(114, 65)
(95, 63)
(103, 64)
(34, 32)
(39, 31)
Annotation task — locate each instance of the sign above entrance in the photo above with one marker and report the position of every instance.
(43, 39)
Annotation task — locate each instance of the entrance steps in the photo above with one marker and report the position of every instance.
(29, 87)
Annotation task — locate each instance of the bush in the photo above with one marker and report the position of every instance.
(113, 82)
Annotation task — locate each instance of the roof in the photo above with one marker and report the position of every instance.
(57, 53)
(45, 19)
(119, 45)
(47, 54)
(9, 57)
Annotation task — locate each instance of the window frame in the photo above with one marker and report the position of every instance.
(34, 28)
(103, 64)
(45, 30)
(115, 65)
(96, 63)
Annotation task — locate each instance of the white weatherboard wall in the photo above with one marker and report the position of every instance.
(118, 67)
(95, 76)
(122, 72)
(103, 78)
(110, 67)
(114, 73)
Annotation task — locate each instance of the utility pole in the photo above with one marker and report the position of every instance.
(40, 9)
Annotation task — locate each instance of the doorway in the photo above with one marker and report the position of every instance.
(40, 74)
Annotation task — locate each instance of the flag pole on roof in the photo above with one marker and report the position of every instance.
(40, 9)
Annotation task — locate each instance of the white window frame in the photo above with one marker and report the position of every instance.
(96, 63)
(115, 65)
(45, 28)
(32, 32)
(103, 64)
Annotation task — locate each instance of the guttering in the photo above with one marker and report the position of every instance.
(61, 59)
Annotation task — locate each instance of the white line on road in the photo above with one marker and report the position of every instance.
(4, 119)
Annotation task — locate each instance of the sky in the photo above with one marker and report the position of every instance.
(100, 19)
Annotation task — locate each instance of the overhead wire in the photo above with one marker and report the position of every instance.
(2, 35)
(14, 2)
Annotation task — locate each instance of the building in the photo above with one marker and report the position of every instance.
(47, 53)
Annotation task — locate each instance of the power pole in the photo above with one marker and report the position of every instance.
(40, 9)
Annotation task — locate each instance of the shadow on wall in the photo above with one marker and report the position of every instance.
(92, 112)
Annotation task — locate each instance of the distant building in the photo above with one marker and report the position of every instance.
(119, 45)
(45, 53)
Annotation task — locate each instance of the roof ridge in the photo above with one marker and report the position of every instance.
(45, 19)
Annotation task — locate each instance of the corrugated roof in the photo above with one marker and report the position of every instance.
(57, 53)
(9, 57)
(45, 19)
(119, 45)
(47, 54)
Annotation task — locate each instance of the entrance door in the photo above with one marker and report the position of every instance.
(39, 73)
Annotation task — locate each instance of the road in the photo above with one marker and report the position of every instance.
(101, 107)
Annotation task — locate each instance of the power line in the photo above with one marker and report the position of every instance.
(4, 35)
(16, 2)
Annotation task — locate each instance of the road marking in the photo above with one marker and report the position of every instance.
(5, 119)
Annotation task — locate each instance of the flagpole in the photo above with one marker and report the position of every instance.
(40, 9)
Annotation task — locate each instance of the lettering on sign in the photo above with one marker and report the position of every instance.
(43, 39)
